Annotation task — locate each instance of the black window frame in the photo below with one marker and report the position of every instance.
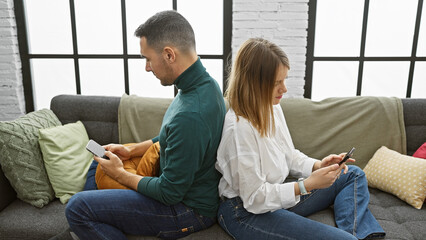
(310, 58)
(26, 56)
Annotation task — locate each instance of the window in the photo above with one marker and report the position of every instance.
(87, 46)
(366, 48)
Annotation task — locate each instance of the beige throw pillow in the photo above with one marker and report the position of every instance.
(401, 175)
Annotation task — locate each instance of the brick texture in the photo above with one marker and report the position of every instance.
(12, 102)
(284, 22)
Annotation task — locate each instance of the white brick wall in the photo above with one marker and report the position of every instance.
(12, 103)
(284, 22)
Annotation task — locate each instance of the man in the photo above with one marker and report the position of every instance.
(184, 198)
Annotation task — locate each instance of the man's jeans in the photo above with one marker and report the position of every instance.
(350, 197)
(110, 214)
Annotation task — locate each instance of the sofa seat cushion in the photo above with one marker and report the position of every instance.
(397, 218)
(22, 221)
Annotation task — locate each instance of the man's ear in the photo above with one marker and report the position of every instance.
(169, 54)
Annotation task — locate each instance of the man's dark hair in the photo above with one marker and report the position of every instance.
(167, 28)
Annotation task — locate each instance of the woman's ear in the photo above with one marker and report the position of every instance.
(169, 54)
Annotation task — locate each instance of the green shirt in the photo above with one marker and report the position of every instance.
(189, 138)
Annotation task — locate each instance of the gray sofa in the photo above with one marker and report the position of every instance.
(19, 220)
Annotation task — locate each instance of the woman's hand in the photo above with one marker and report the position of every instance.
(333, 159)
(323, 177)
(121, 151)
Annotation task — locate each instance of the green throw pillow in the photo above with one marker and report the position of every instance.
(21, 159)
(66, 158)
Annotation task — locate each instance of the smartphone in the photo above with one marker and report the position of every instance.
(347, 156)
(96, 149)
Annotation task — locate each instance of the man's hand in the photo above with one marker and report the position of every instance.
(115, 169)
(121, 151)
(112, 167)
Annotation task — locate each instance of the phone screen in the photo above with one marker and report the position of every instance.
(347, 156)
(96, 149)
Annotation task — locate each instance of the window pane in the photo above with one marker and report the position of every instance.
(99, 26)
(334, 79)
(206, 18)
(138, 12)
(421, 44)
(390, 27)
(215, 69)
(387, 79)
(49, 26)
(144, 83)
(419, 81)
(50, 78)
(102, 77)
(338, 27)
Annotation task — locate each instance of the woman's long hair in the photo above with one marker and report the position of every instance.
(252, 80)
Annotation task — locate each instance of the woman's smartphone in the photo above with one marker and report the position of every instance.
(347, 156)
(96, 149)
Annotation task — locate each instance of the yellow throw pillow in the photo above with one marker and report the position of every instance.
(401, 175)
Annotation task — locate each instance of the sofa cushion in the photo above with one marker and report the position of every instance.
(397, 218)
(334, 125)
(65, 158)
(140, 118)
(20, 220)
(401, 175)
(21, 159)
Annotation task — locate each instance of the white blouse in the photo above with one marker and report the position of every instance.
(254, 167)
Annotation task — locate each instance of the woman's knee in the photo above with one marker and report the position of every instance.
(356, 170)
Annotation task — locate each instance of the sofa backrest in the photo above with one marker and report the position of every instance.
(99, 114)
(100, 117)
(415, 122)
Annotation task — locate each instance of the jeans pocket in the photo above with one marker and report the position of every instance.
(176, 234)
(239, 211)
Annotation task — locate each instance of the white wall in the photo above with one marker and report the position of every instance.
(284, 22)
(12, 104)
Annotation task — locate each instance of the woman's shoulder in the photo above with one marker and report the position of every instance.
(236, 123)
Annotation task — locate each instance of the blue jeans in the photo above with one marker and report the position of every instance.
(111, 214)
(91, 178)
(350, 197)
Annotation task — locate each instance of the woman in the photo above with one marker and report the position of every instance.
(256, 155)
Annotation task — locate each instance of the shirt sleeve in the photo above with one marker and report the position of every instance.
(186, 145)
(301, 164)
(155, 139)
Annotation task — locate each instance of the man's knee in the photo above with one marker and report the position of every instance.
(76, 207)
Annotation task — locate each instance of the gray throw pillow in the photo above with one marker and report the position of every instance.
(21, 159)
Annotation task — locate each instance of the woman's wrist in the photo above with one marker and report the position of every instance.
(317, 165)
(308, 185)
